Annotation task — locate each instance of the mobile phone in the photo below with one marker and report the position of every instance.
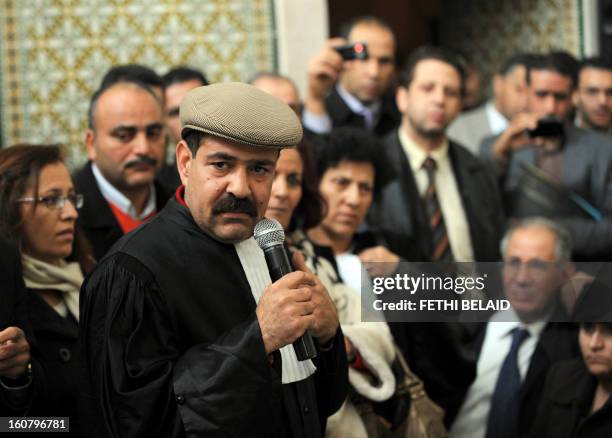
(548, 127)
(353, 51)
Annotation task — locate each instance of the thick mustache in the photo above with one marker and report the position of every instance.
(141, 159)
(231, 204)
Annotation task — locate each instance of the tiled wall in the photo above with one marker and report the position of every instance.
(491, 30)
(53, 54)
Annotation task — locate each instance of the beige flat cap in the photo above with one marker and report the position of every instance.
(241, 113)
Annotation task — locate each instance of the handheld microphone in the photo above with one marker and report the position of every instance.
(270, 237)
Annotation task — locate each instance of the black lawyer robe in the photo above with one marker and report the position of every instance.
(173, 345)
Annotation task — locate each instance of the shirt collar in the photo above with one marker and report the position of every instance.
(355, 104)
(118, 199)
(416, 154)
(497, 121)
(507, 320)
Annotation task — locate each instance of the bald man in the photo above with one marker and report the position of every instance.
(126, 145)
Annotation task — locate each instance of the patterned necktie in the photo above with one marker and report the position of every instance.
(441, 247)
(503, 416)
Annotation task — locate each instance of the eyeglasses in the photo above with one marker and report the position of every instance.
(513, 266)
(57, 202)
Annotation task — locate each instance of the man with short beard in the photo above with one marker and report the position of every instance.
(126, 146)
(466, 222)
(184, 332)
(572, 167)
(444, 200)
(593, 95)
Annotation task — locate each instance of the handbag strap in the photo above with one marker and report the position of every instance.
(412, 384)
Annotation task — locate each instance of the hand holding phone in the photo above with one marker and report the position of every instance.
(547, 127)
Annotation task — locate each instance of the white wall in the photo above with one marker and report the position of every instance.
(590, 27)
(301, 31)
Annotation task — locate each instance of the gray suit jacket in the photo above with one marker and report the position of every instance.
(470, 128)
(587, 170)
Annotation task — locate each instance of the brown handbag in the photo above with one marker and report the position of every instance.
(415, 414)
(425, 419)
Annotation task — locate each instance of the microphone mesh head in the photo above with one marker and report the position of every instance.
(269, 232)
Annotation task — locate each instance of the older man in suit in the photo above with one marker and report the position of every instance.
(517, 346)
(574, 159)
(509, 98)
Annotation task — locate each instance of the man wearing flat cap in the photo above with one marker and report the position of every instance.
(184, 333)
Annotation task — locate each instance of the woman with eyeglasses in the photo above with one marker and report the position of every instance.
(38, 213)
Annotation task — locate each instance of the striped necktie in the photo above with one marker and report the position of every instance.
(441, 248)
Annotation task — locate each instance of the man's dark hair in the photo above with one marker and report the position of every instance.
(345, 28)
(183, 73)
(93, 101)
(424, 53)
(559, 62)
(596, 63)
(516, 60)
(353, 144)
(132, 73)
(193, 139)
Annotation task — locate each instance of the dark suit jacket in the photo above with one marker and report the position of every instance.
(96, 217)
(566, 405)
(341, 114)
(435, 351)
(401, 210)
(587, 170)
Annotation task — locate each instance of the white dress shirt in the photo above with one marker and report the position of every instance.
(119, 200)
(471, 421)
(497, 121)
(455, 220)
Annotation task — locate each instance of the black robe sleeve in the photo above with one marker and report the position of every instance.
(331, 379)
(129, 350)
(142, 383)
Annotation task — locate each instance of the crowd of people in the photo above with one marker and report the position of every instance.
(136, 302)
